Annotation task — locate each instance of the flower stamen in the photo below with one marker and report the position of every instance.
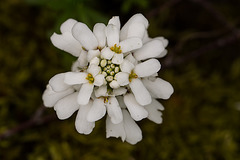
(132, 76)
(99, 48)
(84, 49)
(105, 99)
(116, 49)
(90, 78)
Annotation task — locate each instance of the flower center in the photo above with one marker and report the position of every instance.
(109, 70)
(132, 76)
(90, 78)
(116, 49)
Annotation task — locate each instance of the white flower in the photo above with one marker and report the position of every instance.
(128, 129)
(87, 79)
(158, 87)
(114, 75)
(82, 124)
(66, 41)
(154, 111)
(136, 110)
(101, 105)
(116, 48)
(51, 97)
(131, 75)
(154, 48)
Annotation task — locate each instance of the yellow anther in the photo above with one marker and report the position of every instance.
(90, 78)
(84, 49)
(99, 48)
(105, 99)
(116, 49)
(132, 76)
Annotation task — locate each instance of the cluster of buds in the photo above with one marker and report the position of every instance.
(115, 75)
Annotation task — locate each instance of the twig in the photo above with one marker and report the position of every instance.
(161, 8)
(221, 42)
(218, 15)
(171, 61)
(196, 35)
(37, 119)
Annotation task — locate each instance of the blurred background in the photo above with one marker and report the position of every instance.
(201, 120)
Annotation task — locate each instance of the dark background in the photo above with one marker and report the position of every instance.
(201, 120)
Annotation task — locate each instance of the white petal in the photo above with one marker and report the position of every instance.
(112, 33)
(146, 38)
(77, 87)
(133, 132)
(93, 97)
(115, 21)
(141, 94)
(82, 59)
(67, 25)
(164, 41)
(150, 49)
(99, 80)
(66, 106)
(99, 32)
(156, 104)
(122, 78)
(85, 93)
(51, 97)
(73, 78)
(94, 70)
(121, 102)
(147, 68)
(159, 88)
(130, 44)
(67, 43)
(137, 111)
(101, 91)
(126, 66)
(57, 82)
(137, 18)
(114, 110)
(153, 111)
(126, 53)
(95, 61)
(136, 30)
(117, 58)
(131, 59)
(119, 91)
(82, 125)
(97, 111)
(92, 54)
(163, 53)
(114, 84)
(75, 66)
(115, 130)
(85, 36)
(107, 53)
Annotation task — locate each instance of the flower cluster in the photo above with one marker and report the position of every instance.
(115, 74)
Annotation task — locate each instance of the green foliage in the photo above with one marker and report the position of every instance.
(86, 11)
(200, 121)
(128, 4)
